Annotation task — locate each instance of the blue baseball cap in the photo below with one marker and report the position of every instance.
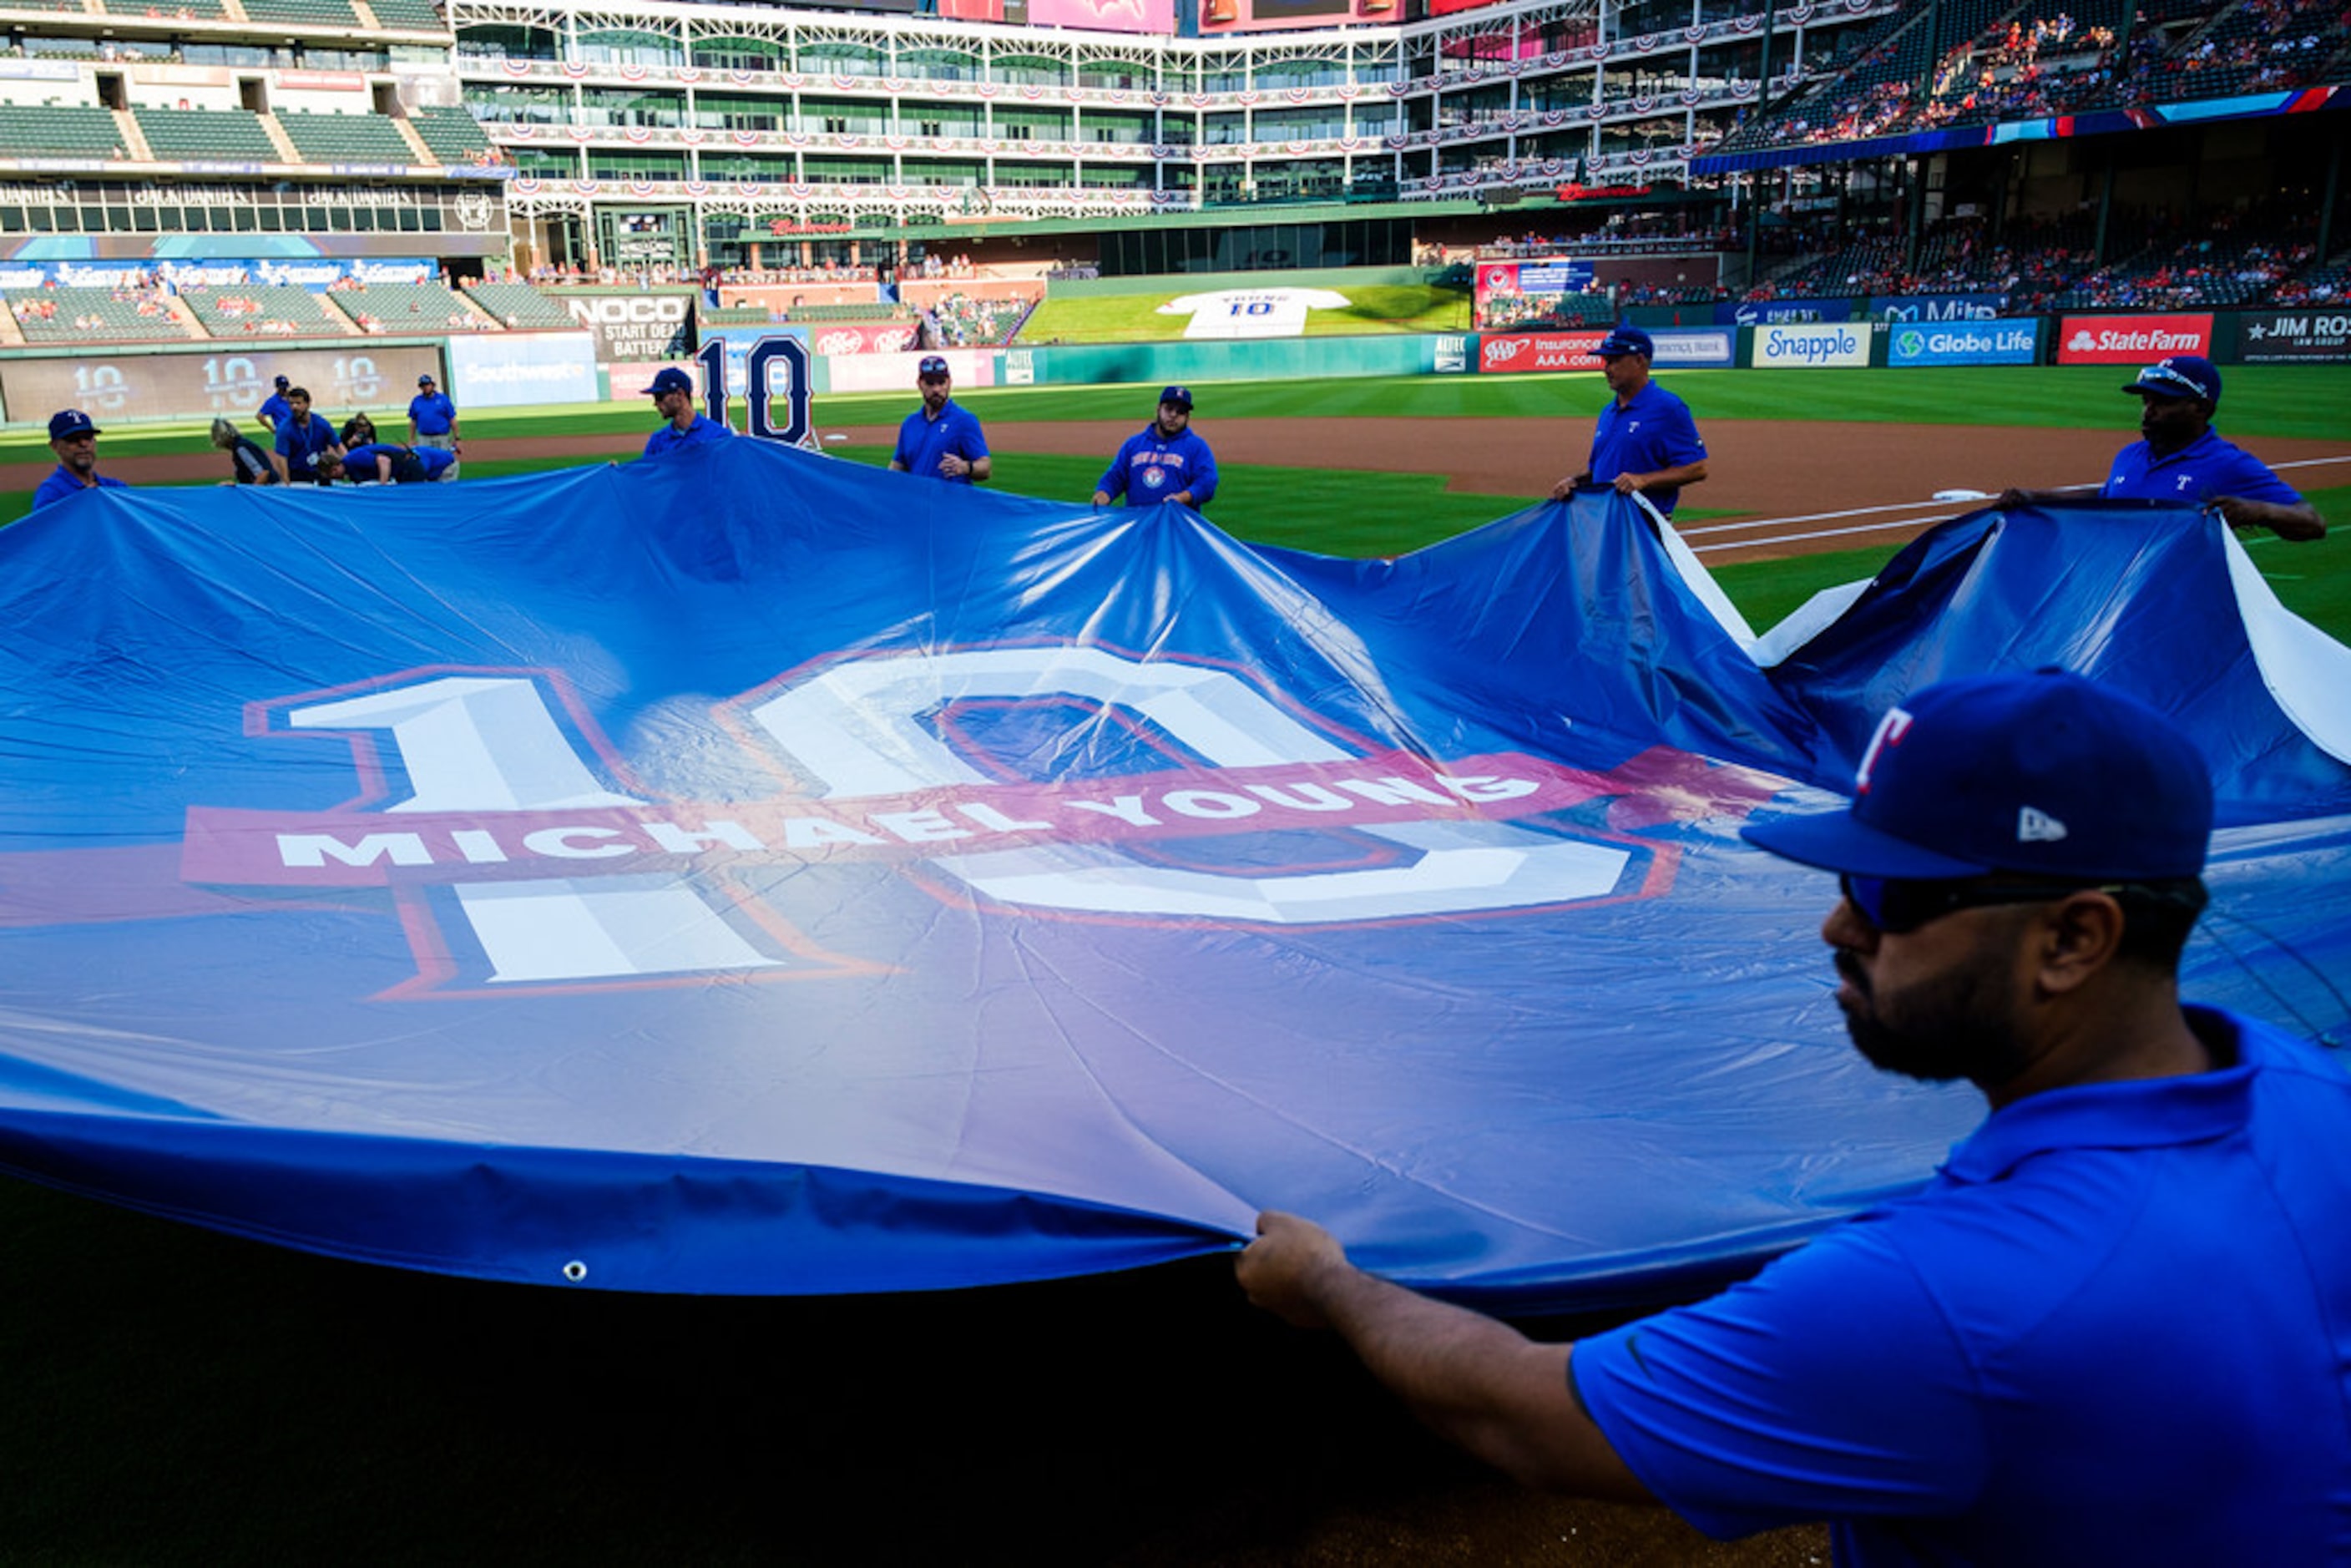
(2043, 774)
(284, 381)
(1180, 396)
(1626, 339)
(932, 365)
(70, 421)
(670, 380)
(2181, 375)
(424, 381)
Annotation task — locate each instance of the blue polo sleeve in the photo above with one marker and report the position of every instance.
(973, 439)
(1202, 481)
(1677, 440)
(899, 455)
(2248, 478)
(1831, 1385)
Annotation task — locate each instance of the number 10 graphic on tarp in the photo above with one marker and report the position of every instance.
(761, 397)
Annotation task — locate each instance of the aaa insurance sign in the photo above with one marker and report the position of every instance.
(2130, 340)
(1513, 352)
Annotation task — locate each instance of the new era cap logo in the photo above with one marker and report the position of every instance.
(2037, 826)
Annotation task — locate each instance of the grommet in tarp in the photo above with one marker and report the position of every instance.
(575, 1270)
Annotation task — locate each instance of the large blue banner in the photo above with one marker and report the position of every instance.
(1964, 343)
(750, 872)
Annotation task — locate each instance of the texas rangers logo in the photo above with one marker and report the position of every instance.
(1154, 477)
(520, 849)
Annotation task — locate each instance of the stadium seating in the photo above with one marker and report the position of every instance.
(303, 13)
(346, 138)
(262, 310)
(454, 135)
(205, 133)
(520, 305)
(85, 315)
(404, 307)
(187, 10)
(419, 15)
(968, 322)
(54, 131)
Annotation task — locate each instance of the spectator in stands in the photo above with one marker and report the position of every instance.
(75, 441)
(248, 463)
(300, 439)
(672, 395)
(432, 417)
(275, 411)
(941, 440)
(2183, 459)
(1645, 440)
(1166, 461)
(357, 431)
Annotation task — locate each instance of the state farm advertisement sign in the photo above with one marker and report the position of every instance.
(1539, 351)
(2130, 340)
(895, 338)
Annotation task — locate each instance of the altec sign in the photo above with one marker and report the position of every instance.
(2130, 340)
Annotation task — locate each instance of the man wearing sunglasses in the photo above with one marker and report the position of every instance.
(2180, 457)
(2113, 1327)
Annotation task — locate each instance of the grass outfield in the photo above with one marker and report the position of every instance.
(1136, 319)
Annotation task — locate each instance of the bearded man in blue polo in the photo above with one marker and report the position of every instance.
(1165, 461)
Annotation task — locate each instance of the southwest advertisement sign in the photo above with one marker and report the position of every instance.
(1934, 307)
(1963, 343)
(1770, 312)
(2130, 340)
(1693, 348)
(1509, 353)
(1845, 346)
(513, 368)
(2304, 337)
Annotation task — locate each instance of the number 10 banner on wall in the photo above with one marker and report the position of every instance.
(745, 872)
(146, 383)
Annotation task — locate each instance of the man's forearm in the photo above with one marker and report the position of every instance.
(2300, 524)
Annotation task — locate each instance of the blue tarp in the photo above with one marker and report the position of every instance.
(754, 872)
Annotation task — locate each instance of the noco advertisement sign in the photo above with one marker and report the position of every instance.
(1963, 343)
(2130, 340)
(2294, 337)
(634, 326)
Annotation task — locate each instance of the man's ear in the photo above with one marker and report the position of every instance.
(2079, 936)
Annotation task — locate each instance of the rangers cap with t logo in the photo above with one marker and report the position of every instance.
(2044, 773)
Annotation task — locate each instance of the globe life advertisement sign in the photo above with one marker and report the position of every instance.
(2130, 340)
(1963, 343)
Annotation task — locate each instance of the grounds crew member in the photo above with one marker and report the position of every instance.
(942, 439)
(248, 463)
(389, 463)
(1645, 440)
(2180, 457)
(2111, 1328)
(1165, 461)
(300, 440)
(75, 441)
(672, 395)
(432, 418)
(274, 410)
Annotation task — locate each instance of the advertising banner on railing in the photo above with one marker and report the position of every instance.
(895, 373)
(507, 369)
(1771, 312)
(1964, 343)
(1105, 16)
(1935, 307)
(834, 339)
(1843, 346)
(2130, 340)
(1509, 292)
(2304, 337)
(1511, 352)
(1694, 347)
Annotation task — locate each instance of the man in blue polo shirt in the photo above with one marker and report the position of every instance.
(75, 441)
(1645, 440)
(301, 438)
(274, 410)
(389, 463)
(672, 395)
(2182, 459)
(942, 439)
(2113, 1327)
(432, 418)
(1165, 461)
